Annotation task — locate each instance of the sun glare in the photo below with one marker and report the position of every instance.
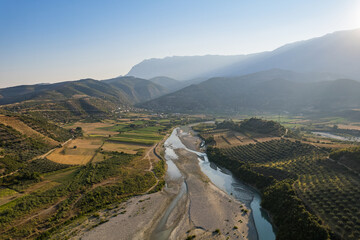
(357, 14)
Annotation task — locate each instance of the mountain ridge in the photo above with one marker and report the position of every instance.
(270, 91)
(333, 53)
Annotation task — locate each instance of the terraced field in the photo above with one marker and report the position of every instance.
(269, 151)
(21, 127)
(301, 185)
(225, 138)
(328, 189)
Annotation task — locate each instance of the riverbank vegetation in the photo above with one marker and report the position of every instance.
(309, 195)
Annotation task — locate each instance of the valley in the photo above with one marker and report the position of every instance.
(187, 206)
(179, 120)
(142, 174)
(48, 191)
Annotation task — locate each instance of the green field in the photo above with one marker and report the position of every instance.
(137, 132)
(4, 192)
(139, 138)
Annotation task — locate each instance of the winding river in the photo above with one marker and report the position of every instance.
(222, 178)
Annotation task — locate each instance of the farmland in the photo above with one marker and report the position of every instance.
(78, 151)
(225, 137)
(291, 167)
(128, 136)
(103, 163)
(21, 127)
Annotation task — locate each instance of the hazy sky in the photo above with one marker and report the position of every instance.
(60, 40)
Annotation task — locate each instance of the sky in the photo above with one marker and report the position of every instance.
(44, 41)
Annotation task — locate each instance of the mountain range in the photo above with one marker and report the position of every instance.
(269, 91)
(335, 54)
(307, 76)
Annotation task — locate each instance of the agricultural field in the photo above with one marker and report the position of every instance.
(269, 151)
(72, 193)
(332, 192)
(122, 135)
(21, 127)
(310, 123)
(226, 138)
(77, 152)
(94, 129)
(329, 188)
(352, 126)
(123, 147)
(104, 163)
(141, 132)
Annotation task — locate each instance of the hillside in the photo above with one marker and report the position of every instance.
(24, 137)
(121, 90)
(332, 55)
(62, 91)
(80, 99)
(348, 157)
(254, 125)
(168, 83)
(293, 176)
(136, 89)
(269, 91)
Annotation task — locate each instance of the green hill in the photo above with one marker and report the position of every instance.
(80, 99)
(254, 125)
(136, 89)
(168, 83)
(17, 147)
(62, 91)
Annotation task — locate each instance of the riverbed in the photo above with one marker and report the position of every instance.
(199, 199)
(200, 207)
(224, 180)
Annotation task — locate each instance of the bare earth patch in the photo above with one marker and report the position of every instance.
(76, 152)
(73, 157)
(349, 127)
(95, 128)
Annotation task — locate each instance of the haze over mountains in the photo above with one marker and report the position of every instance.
(268, 91)
(306, 76)
(336, 53)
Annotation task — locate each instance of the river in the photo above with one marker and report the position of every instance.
(223, 179)
(337, 137)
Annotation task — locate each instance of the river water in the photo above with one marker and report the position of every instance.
(173, 175)
(337, 137)
(223, 179)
